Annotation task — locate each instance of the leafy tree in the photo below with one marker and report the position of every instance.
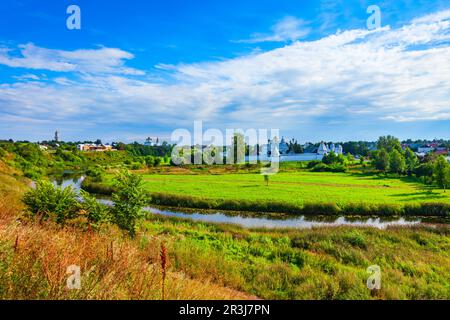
(411, 161)
(441, 172)
(128, 201)
(295, 147)
(266, 179)
(157, 161)
(356, 147)
(382, 160)
(238, 146)
(350, 158)
(396, 162)
(48, 200)
(149, 161)
(332, 158)
(424, 171)
(389, 143)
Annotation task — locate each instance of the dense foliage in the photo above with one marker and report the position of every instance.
(47, 200)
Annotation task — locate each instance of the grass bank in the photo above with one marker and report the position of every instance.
(320, 263)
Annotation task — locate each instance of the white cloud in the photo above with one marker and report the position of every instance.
(395, 75)
(287, 29)
(28, 76)
(102, 60)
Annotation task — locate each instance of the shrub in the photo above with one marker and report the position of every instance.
(320, 167)
(46, 200)
(95, 174)
(136, 166)
(335, 167)
(157, 161)
(128, 200)
(312, 164)
(95, 211)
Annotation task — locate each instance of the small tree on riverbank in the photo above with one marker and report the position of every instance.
(128, 200)
(441, 172)
(266, 179)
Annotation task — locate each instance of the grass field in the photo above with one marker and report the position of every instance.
(297, 187)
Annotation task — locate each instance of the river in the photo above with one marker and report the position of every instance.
(243, 220)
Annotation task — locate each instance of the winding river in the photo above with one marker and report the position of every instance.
(300, 222)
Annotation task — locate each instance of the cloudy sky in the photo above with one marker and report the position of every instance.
(309, 68)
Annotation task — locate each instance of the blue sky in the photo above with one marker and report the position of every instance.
(308, 68)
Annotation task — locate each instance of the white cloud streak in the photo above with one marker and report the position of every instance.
(287, 29)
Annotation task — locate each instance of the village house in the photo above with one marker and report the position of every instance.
(95, 147)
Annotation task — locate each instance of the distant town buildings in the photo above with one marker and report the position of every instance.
(422, 149)
(281, 149)
(95, 147)
(152, 142)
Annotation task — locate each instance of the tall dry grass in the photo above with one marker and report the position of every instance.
(34, 258)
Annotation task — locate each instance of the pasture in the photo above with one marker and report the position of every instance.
(297, 188)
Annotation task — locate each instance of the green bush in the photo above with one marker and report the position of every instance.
(95, 211)
(95, 174)
(335, 167)
(129, 199)
(47, 200)
(312, 164)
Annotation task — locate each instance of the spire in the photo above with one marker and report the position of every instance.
(56, 136)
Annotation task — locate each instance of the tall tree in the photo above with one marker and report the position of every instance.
(389, 143)
(382, 160)
(411, 161)
(441, 172)
(238, 148)
(396, 162)
(295, 147)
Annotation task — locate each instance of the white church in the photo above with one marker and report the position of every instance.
(280, 150)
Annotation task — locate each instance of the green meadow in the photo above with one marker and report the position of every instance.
(297, 188)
